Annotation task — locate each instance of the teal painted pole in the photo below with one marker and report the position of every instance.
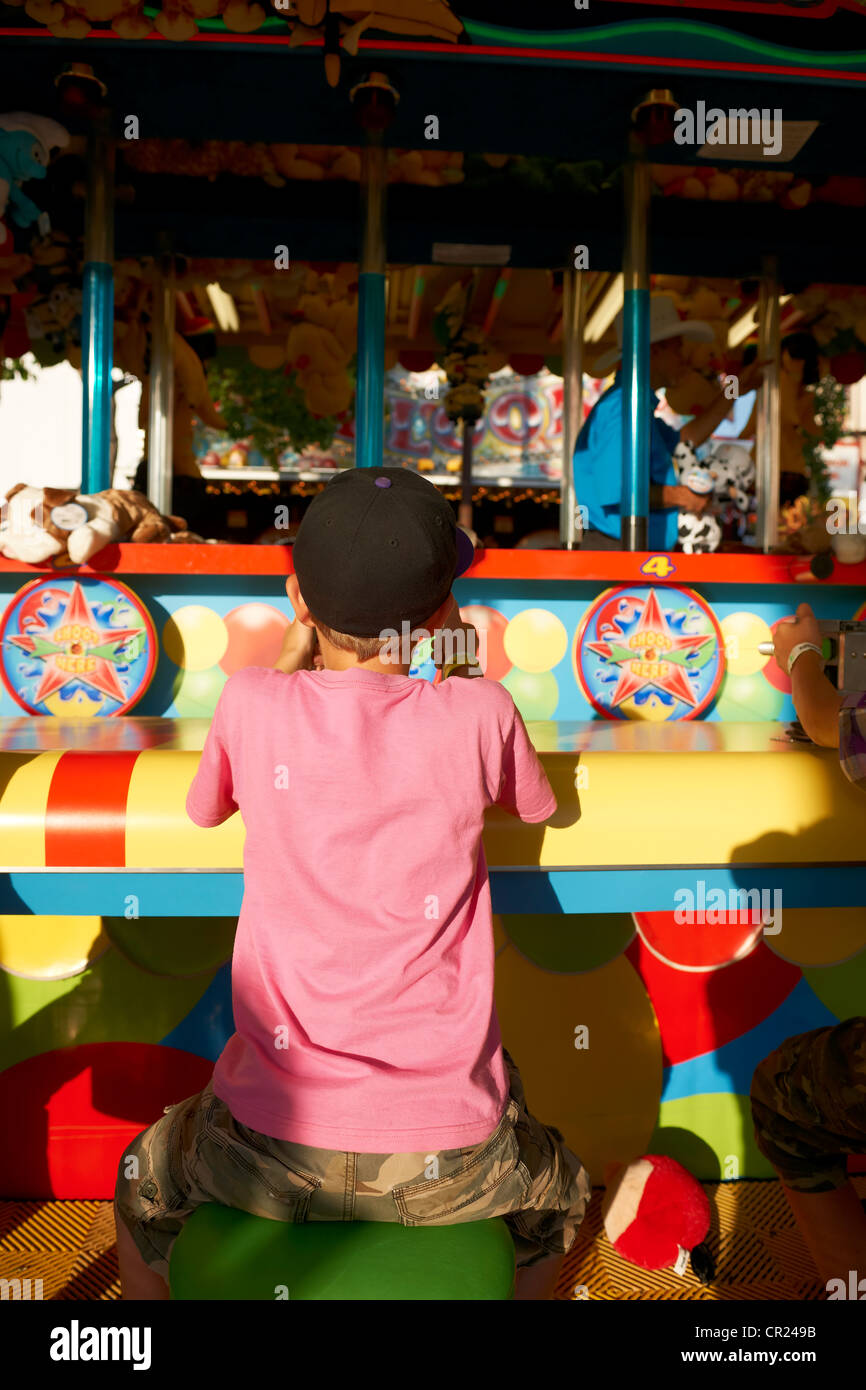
(636, 395)
(97, 319)
(370, 390)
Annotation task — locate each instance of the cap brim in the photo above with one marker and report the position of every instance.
(696, 329)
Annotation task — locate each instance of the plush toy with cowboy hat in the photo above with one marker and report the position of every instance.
(26, 142)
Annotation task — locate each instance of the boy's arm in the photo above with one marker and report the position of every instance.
(816, 699)
(524, 790)
(211, 798)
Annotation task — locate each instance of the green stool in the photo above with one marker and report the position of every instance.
(226, 1254)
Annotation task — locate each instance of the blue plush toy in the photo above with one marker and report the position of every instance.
(26, 142)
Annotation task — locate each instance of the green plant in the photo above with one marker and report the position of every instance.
(831, 404)
(266, 406)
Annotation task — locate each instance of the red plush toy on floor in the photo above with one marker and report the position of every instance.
(656, 1214)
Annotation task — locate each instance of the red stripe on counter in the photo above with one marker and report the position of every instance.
(85, 818)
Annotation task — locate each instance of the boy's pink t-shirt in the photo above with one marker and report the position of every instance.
(362, 976)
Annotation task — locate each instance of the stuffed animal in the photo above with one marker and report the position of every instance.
(656, 1215)
(68, 527)
(26, 142)
(732, 469)
(697, 535)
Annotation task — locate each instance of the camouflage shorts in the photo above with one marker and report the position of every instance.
(199, 1153)
(809, 1105)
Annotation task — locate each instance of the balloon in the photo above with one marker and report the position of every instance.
(536, 695)
(535, 640)
(490, 626)
(569, 943)
(580, 1040)
(748, 698)
(743, 632)
(50, 948)
(196, 692)
(255, 635)
(771, 672)
(195, 637)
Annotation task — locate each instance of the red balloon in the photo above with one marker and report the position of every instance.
(74, 1109)
(701, 1010)
(255, 636)
(490, 626)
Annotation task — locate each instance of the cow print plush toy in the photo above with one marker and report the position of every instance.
(697, 535)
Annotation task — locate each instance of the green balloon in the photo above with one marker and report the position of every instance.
(196, 692)
(535, 693)
(569, 943)
(746, 699)
(179, 947)
(841, 987)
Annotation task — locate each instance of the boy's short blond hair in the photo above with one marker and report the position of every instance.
(365, 648)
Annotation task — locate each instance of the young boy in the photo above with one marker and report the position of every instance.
(809, 1096)
(366, 1079)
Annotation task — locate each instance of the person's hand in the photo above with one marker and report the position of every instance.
(793, 631)
(685, 500)
(299, 650)
(464, 640)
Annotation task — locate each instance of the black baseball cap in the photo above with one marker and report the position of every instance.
(376, 548)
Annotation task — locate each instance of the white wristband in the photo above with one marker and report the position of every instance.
(798, 651)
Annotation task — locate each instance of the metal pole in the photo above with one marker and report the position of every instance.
(161, 408)
(97, 327)
(370, 397)
(768, 434)
(636, 403)
(464, 511)
(573, 320)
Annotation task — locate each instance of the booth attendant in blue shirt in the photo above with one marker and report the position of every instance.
(598, 452)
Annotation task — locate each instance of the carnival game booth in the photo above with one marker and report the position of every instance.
(661, 723)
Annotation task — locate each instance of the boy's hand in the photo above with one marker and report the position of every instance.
(465, 639)
(788, 635)
(300, 649)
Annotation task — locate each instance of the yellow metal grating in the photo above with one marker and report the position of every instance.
(758, 1251)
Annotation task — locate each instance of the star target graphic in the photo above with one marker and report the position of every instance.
(82, 648)
(649, 654)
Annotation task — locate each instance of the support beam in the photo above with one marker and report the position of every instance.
(768, 433)
(370, 395)
(161, 408)
(573, 321)
(636, 401)
(97, 326)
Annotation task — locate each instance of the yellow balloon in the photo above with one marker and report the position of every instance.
(535, 640)
(820, 935)
(195, 637)
(742, 633)
(50, 948)
(588, 1049)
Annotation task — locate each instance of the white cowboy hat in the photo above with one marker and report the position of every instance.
(49, 133)
(665, 323)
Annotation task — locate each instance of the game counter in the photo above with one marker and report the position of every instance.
(556, 628)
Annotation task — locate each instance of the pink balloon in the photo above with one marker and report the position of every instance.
(255, 636)
(490, 625)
